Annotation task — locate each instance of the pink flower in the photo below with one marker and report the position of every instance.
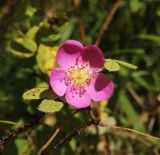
(77, 75)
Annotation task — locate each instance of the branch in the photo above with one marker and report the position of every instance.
(117, 130)
(80, 20)
(107, 22)
(48, 142)
(15, 133)
(130, 133)
(76, 132)
(54, 135)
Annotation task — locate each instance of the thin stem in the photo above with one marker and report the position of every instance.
(73, 134)
(15, 133)
(80, 20)
(48, 142)
(93, 117)
(107, 22)
(134, 134)
(134, 94)
(54, 135)
(117, 130)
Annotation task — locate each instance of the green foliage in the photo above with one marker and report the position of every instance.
(135, 5)
(111, 65)
(34, 94)
(23, 47)
(125, 64)
(8, 122)
(46, 58)
(39, 93)
(114, 65)
(50, 106)
(130, 112)
(31, 32)
(22, 146)
(150, 37)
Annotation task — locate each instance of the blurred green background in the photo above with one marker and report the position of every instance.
(30, 33)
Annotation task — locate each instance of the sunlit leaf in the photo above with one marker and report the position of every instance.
(50, 106)
(23, 47)
(30, 11)
(126, 64)
(32, 32)
(27, 43)
(111, 65)
(20, 54)
(34, 93)
(46, 58)
(51, 38)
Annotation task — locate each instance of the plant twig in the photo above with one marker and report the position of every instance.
(107, 22)
(112, 129)
(13, 134)
(48, 142)
(73, 134)
(54, 135)
(80, 20)
(130, 132)
(134, 94)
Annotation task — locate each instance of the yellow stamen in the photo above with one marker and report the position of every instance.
(79, 75)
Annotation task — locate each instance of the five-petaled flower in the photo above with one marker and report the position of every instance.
(77, 75)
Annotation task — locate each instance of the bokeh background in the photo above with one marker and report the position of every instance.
(30, 33)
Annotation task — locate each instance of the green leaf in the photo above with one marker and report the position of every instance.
(32, 32)
(37, 93)
(46, 58)
(51, 38)
(68, 30)
(50, 106)
(111, 65)
(135, 5)
(126, 64)
(22, 146)
(141, 79)
(27, 43)
(23, 47)
(30, 11)
(8, 122)
(150, 37)
(130, 112)
(19, 54)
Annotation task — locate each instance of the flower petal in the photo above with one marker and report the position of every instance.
(94, 56)
(68, 53)
(57, 81)
(101, 88)
(76, 100)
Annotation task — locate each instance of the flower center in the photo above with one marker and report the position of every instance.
(78, 76)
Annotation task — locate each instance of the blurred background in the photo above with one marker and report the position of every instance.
(30, 33)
